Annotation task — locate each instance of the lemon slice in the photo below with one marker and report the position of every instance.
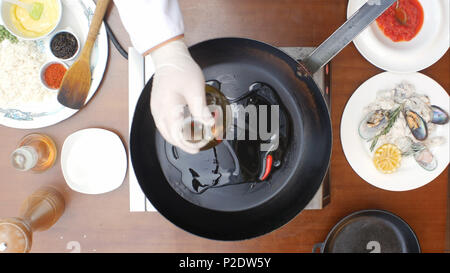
(387, 158)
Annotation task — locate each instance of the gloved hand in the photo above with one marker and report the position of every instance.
(178, 81)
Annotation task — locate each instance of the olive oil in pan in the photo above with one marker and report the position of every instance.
(233, 162)
(215, 167)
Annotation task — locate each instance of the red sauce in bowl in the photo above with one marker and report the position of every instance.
(399, 28)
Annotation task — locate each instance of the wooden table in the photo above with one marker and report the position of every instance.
(103, 223)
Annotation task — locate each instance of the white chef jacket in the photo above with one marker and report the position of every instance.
(150, 22)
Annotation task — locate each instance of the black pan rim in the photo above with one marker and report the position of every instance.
(355, 214)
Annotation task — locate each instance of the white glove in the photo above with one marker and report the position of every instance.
(178, 81)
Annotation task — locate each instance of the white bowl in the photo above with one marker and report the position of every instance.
(425, 49)
(62, 31)
(42, 73)
(5, 20)
(94, 161)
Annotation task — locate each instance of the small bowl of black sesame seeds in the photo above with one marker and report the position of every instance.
(64, 45)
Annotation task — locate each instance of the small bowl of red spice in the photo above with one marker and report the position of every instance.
(52, 74)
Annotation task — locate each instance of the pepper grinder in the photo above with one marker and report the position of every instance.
(39, 212)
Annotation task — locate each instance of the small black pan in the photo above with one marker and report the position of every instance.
(370, 231)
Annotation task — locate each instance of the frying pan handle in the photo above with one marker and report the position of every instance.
(343, 36)
(318, 246)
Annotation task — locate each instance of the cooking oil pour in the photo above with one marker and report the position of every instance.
(196, 134)
(233, 162)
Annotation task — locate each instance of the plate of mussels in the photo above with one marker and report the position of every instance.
(395, 131)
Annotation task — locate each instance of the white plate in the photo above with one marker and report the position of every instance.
(77, 15)
(410, 175)
(422, 51)
(93, 161)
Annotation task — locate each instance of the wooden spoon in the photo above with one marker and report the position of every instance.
(77, 81)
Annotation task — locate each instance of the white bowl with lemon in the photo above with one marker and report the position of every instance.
(20, 23)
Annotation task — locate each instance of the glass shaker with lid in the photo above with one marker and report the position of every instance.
(36, 152)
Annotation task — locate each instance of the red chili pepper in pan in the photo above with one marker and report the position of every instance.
(267, 167)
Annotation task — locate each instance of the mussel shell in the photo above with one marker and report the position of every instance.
(416, 124)
(367, 131)
(420, 107)
(439, 115)
(426, 159)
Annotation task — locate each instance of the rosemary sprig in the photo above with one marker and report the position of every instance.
(391, 120)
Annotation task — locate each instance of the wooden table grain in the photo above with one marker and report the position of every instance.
(103, 223)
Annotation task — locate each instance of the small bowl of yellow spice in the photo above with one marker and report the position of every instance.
(19, 21)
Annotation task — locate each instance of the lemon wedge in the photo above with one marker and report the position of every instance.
(387, 158)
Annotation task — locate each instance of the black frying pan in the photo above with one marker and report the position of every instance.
(244, 210)
(370, 231)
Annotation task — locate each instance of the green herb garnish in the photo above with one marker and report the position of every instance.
(5, 34)
(392, 118)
